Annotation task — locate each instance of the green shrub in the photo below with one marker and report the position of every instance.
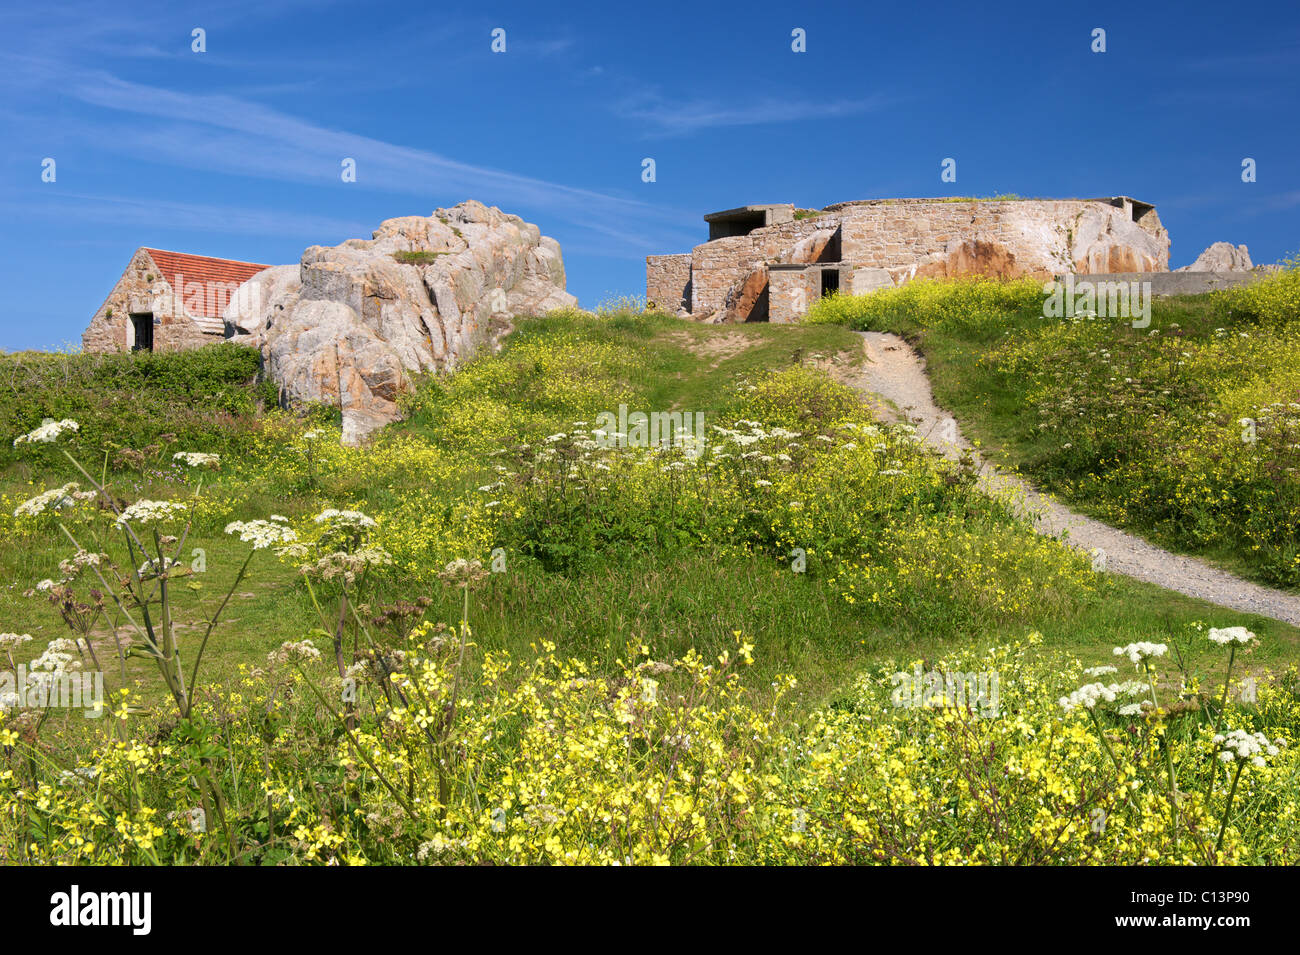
(1274, 302)
(417, 258)
(209, 397)
(979, 303)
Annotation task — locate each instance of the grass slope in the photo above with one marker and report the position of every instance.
(1186, 432)
(553, 370)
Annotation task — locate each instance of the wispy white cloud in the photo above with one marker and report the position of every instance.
(235, 135)
(1267, 204)
(158, 215)
(665, 116)
(1281, 55)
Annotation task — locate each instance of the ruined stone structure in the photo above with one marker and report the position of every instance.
(167, 301)
(771, 262)
(348, 325)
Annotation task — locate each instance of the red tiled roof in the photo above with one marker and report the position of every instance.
(215, 275)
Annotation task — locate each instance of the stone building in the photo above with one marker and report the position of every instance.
(167, 301)
(350, 325)
(771, 262)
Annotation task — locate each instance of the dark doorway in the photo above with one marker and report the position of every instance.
(830, 281)
(832, 251)
(142, 325)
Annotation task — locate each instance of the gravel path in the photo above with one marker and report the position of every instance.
(895, 372)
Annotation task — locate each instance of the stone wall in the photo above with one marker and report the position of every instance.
(886, 242)
(1004, 239)
(720, 269)
(1184, 283)
(668, 282)
(790, 293)
(142, 288)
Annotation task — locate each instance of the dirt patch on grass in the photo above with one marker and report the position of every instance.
(717, 347)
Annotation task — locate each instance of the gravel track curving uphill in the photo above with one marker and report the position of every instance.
(894, 372)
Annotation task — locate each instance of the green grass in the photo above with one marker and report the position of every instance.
(417, 258)
(1138, 427)
(669, 600)
(1001, 197)
(635, 583)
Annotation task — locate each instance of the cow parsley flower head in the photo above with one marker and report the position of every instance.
(1099, 671)
(1141, 651)
(53, 499)
(294, 651)
(12, 641)
(1133, 709)
(149, 512)
(47, 432)
(197, 459)
(156, 567)
(463, 573)
(344, 519)
(1238, 745)
(262, 534)
(1088, 696)
(341, 565)
(57, 657)
(73, 566)
(1226, 635)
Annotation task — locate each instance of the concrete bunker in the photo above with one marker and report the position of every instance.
(771, 262)
(745, 219)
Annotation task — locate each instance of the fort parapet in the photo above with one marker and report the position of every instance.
(771, 262)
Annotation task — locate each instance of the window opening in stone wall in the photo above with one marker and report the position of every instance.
(142, 326)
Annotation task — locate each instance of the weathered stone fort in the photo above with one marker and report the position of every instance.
(350, 324)
(771, 262)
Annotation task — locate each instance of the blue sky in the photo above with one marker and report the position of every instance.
(236, 151)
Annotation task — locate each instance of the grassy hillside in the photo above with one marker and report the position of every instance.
(488, 636)
(1186, 431)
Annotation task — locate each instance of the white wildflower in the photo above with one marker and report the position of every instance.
(47, 432)
(197, 459)
(294, 651)
(147, 512)
(262, 534)
(1088, 696)
(1240, 745)
(343, 519)
(53, 499)
(12, 641)
(1226, 635)
(1099, 671)
(1138, 652)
